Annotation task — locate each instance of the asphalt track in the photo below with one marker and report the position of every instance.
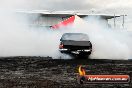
(45, 72)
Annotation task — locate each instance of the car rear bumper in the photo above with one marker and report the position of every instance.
(75, 51)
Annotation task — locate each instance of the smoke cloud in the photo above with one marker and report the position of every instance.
(18, 38)
(107, 43)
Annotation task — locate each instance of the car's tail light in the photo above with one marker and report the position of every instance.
(61, 46)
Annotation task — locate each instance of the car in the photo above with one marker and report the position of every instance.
(77, 44)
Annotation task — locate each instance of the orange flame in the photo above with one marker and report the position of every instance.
(81, 71)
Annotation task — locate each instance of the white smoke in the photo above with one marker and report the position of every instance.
(107, 43)
(19, 39)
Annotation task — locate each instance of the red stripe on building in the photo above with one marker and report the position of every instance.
(64, 23)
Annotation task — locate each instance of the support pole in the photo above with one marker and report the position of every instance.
(123, 21)
(114, 21)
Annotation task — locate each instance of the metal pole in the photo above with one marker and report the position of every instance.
(123, 21)
(114, 21)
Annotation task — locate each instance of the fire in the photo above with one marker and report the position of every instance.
(81, 71)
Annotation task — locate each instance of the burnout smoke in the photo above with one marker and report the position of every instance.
(18, 38)
(107, 43)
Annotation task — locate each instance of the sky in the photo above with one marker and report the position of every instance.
(69, 4)
(80, 5)
(117, 6)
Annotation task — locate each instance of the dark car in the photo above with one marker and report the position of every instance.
(75, 44)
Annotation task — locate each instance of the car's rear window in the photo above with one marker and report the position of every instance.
(75, 36)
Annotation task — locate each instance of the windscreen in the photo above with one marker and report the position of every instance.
(75, 37)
